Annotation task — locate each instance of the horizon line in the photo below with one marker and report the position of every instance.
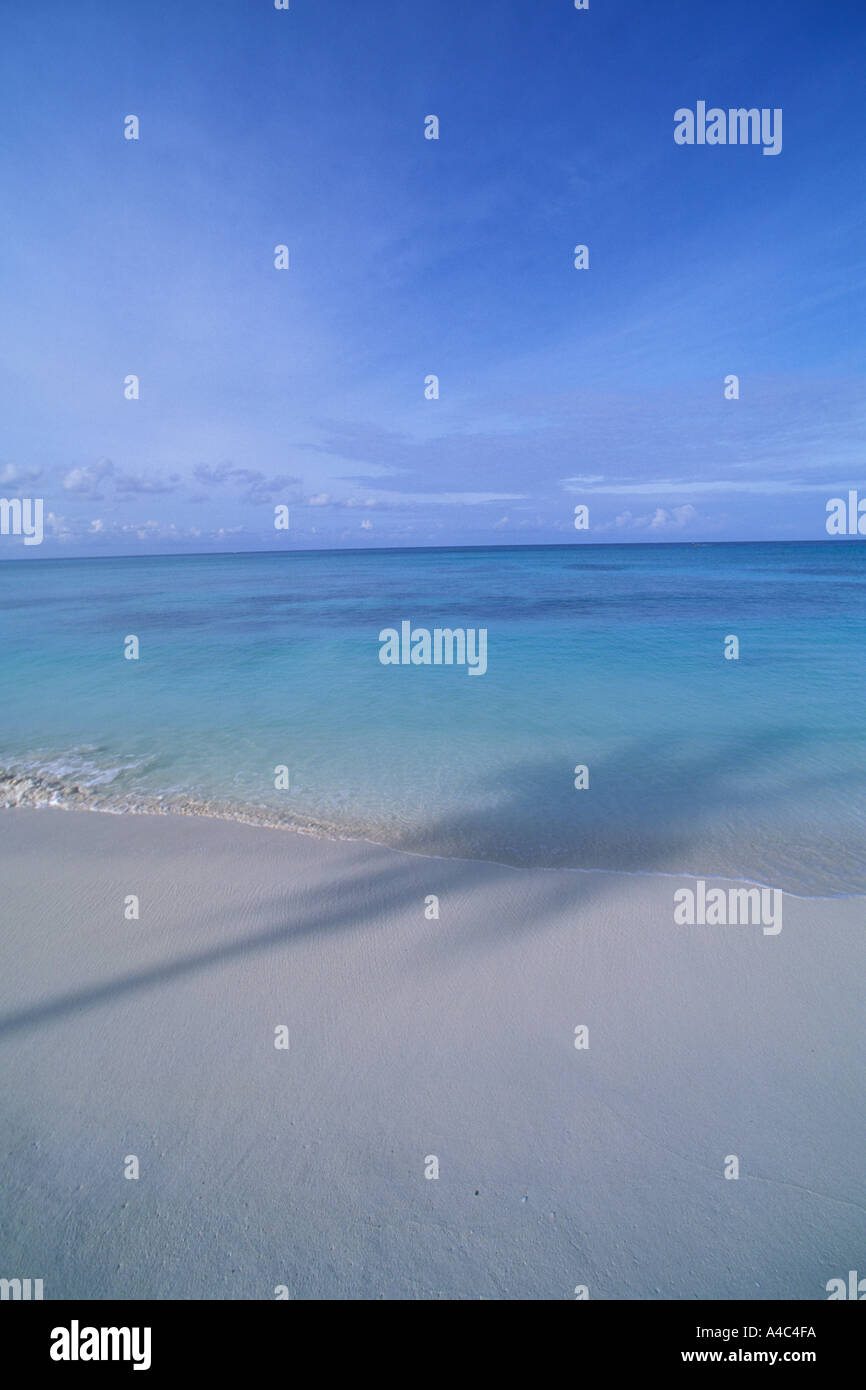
(399, 549)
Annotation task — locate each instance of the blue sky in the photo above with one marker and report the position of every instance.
(412, 257)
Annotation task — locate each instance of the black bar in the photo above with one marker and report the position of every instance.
(204, 1338)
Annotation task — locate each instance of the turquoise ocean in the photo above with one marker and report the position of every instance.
(610, 657)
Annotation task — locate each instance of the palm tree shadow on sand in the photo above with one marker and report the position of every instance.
(670, 837)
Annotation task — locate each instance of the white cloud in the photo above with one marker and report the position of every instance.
(470, 499)
(13, 479)
(686, 487)
(87, 480)
(58, 526)
(678, 519)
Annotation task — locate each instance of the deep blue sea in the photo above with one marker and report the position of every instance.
(610, 657)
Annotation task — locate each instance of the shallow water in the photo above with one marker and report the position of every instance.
(608, 656)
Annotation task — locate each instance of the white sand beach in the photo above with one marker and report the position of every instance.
(412, 1037)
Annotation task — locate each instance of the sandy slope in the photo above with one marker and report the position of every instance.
(409, 1038)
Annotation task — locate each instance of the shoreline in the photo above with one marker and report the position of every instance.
(334, 835)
